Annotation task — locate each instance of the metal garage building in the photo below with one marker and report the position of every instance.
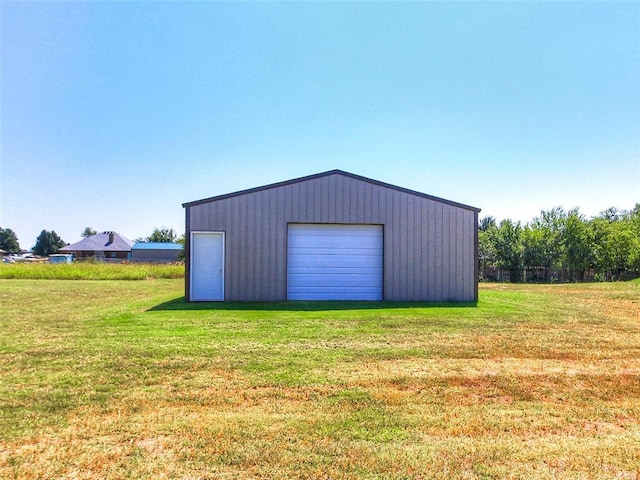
(331, 236)
(155, 252)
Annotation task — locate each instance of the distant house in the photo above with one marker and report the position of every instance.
(103, 246)
(155, 252)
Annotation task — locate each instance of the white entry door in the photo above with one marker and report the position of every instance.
(334, 262)
(207, 266)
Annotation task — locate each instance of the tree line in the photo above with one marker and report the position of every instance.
(561, 245)
(49, 242)
(557, 245)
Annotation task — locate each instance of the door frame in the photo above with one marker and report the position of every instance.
(192, 235)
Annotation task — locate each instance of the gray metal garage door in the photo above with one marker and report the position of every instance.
(334, 262)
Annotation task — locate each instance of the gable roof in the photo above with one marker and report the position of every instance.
(100, 243)
(326, 174)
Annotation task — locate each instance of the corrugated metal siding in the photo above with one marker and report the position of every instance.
(429, 246)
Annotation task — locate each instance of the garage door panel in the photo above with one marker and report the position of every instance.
(360, 261)
(338, 280)
(334, 262)
(323, 270)
(345, 253)
(318, 229)
(323, 289)
(318, 242)
(358, 242)
(337, 295)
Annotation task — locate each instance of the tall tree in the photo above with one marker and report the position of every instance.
(486, 243)
(608, 243)
(632, 217)
(487, 224)
(162, 235)
(48, 243)
(534, 247)
(181, 240)
(578, 244)
(542, 240)
(611, 214)
(88, 232)
(616, 242)
(9, 241)
(508, 244)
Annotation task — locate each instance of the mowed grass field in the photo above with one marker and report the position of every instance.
(120, 379)
(90, 271)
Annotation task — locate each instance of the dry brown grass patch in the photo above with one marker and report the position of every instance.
(538, 382)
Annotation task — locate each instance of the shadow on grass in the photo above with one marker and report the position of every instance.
(302, 306)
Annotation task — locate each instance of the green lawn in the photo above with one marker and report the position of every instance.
(120, 379)
(90, 271)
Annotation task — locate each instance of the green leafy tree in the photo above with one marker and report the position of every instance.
(623, 247)
(633, 219)
(534, 247)
(181, 240)
(608, 243)
(9, 241)
(48, 243)
(88, 232)
(542, 240)
(616, 241)
(601, 231)
(611, 244)
(487, 224)
(486, 243)
(578, 244)
(509, 249)
(611, 215)
(162, 235)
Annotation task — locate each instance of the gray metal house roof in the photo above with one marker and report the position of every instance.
(156, 246)
(326, 174)
(102, 242)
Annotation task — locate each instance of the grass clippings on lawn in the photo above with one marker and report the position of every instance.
(115, 379)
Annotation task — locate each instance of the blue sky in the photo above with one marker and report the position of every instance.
(113, 114)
